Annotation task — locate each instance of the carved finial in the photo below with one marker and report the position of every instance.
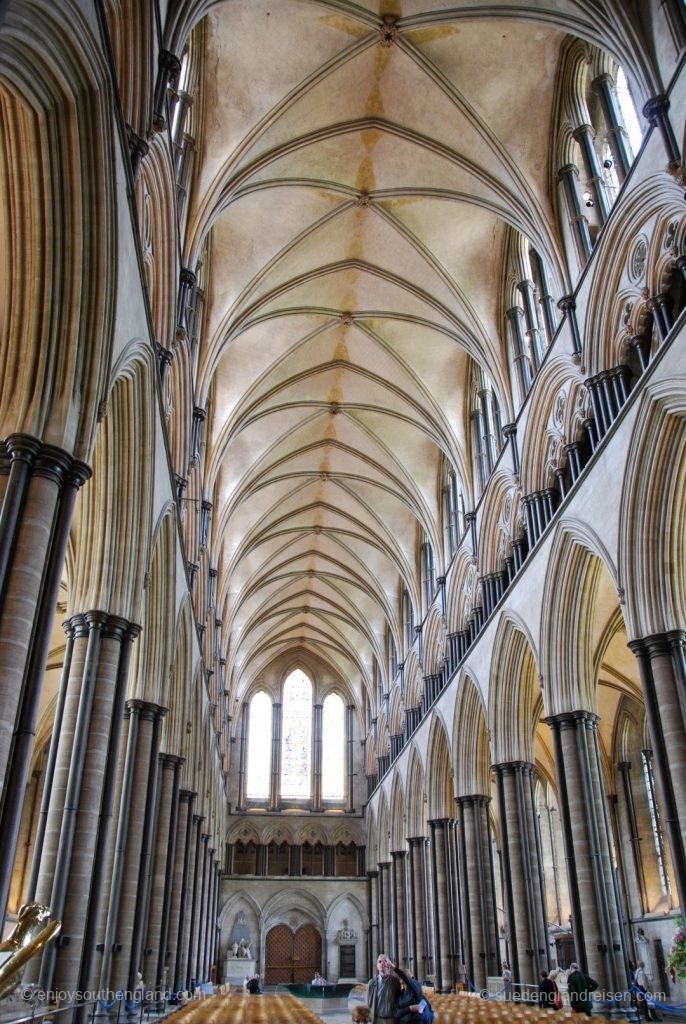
(388, 30)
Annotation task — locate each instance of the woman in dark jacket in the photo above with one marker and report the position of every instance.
(547, 991)
(411, 995)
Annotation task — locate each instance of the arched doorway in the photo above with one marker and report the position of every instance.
(292, 957)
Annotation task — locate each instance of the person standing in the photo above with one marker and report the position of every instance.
(507, 981)
(383, 991)
(642, 987)
(580, 987)
(412, 1005)
(547, 992)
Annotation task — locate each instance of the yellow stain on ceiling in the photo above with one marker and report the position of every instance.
(341, 351)
(419, 36)
(347, 25)
(393, 7)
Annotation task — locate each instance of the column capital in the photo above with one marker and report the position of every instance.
(602, 80)
(416, 840)
(172, 760)
(657, 644)
(656, 108)
(572, 719)
(111, 626)
(474, 799)
(583, 130)
(145, 709)
(187, 794)
(170, 62)
(23, 447)
(372, 874)
(566, 303)
(398, 854)
(187, 277)
(512, 767)
(198, 818)
(509, 429)
(566, 170)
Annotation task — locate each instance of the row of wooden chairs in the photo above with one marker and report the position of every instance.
(246, 1009)
(468, 1008)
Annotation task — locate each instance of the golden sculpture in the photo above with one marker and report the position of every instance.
(30, 935)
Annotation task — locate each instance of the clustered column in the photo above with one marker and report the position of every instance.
(593, 894)
(124, 929)
(38, 487)
(70, 861)
(418, 905)
(522, 870)
(399, 901)
(662, 664)
(477, 885)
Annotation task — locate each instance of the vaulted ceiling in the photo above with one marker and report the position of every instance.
(357, 168)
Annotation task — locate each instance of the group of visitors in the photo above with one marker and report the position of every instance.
(580, 988)
(394, 995)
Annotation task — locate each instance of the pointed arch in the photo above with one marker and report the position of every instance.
(439, 772)
(652, 525)
(111, 553)
(416, 796)
(471, 748)
(514, 693)
(580, 573)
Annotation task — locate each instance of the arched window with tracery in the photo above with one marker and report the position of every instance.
(296, 745)
(259, 741)
(333, 745)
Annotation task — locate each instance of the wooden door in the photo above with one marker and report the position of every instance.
(307, 954)
(346, 967)
(278, 966)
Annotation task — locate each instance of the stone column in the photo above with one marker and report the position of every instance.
(162, 870)
(177, 907)
(243, 756)
(480, 925)
(522, 870)
(187, 901)
(124, 939)
(211, 878)
(198, 856)
(69, 878)
(583, 813)
(201, 895)
(616, 133)
(36, 514)
(640, 888)
(443, 952)
(661, 661)
(655, 110)
(418, 906)
(569, 177)
(515, 317)
(527, 290)
(585, 137)
(275, 779)
(350, 748)
(385, 905)
(399, 901)
(317, 758)
(52, 760)
(373, 914)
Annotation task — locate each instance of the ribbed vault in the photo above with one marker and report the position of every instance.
(355, 190)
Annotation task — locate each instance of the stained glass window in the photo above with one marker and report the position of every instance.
(333, 748)
(296, 747)
(259, 747)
